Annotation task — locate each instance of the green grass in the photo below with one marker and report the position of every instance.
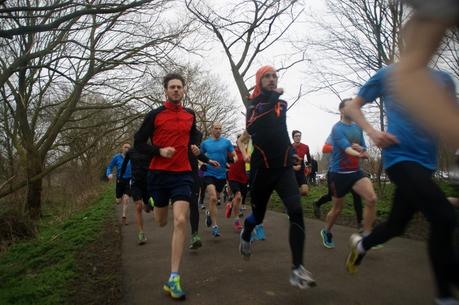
(384, 202)
(38, 271)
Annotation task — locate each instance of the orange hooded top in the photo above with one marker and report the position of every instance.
(260, 72)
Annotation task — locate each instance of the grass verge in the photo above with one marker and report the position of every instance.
(42, 270)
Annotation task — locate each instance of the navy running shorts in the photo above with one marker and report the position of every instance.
(169, 186)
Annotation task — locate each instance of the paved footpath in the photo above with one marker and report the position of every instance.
(215, 274)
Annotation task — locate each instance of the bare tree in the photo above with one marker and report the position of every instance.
(361, 37)
(47, 79)
(211, 101)
(205, 94)
(448, 57)
(246, 29)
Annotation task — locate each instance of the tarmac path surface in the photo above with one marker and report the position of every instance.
(215, 274)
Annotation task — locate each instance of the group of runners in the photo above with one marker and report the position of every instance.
(163, 165)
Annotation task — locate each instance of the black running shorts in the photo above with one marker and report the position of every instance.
(341, 184)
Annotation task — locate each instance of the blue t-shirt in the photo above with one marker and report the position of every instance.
(117, 161)
(416, 144)
(343, 136)
(217, 150)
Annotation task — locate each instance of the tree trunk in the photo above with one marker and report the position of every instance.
(34, 187)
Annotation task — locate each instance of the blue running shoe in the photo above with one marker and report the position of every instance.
(327, 239)
(216, 231)
(173, 288)
(260, 232)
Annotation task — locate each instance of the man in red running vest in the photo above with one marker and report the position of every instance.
(301, 150)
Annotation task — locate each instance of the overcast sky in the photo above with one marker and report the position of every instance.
(309, 114)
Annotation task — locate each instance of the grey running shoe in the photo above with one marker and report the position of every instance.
(354, 258)
(302, 278)
(141, 239)
(244, 247)
(195, 241)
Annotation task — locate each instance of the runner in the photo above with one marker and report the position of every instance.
(410, 157)
(346, 175)
(139, 167)
(123, 190)
(194, 208)
(357, 200)
(302, 150)
(422, 36)
(271, 169)
(245, 143)
(237, 181)
(216, 148)
(171, 129)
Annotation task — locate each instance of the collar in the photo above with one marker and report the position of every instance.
(173, 106)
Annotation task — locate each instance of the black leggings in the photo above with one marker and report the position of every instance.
(416, 191)
(357, 200)
(263, 182)
(202, 190)
(194, 209)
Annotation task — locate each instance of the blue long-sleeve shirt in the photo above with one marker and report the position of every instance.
(117, 162)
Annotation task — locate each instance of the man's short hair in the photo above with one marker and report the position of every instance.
(295, 132)
(215, 124)
(171, 76)
(343, 103)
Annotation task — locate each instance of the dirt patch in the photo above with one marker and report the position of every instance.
(99, 270)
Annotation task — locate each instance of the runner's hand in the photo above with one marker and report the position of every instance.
(297, 160)
(110, 177)
(167, 152)
(214, 163)
(195, 150)
(296, 167)
(357, 147)
(247, 158)
(382, 139)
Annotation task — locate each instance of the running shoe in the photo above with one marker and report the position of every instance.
(244, 247)
(208, 219)
(260, 232)
(219, 202)
(124, 220)
(228, 209)
(237, 225)
(241, 213)
(141, 239)
(302, 278)
(327, 239)
(316, 208)
(203, 207)
(354, 258)
(195, 241)
(173, 288)
(215, 231)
